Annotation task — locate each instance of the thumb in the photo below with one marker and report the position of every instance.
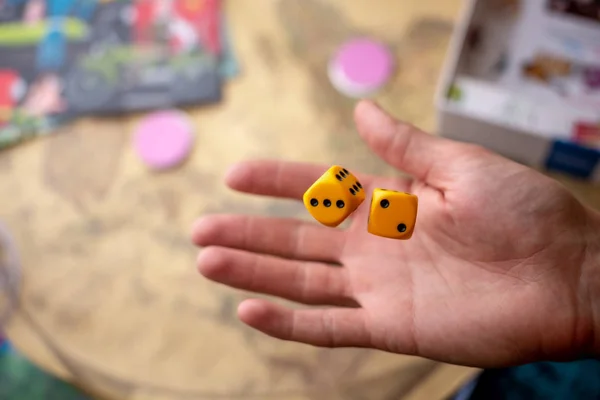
(402, 145)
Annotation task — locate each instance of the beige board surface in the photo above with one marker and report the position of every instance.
(111, 299)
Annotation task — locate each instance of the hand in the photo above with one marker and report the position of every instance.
(495, 274)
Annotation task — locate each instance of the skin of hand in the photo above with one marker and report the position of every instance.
(503, 267)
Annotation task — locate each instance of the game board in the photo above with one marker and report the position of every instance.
(60, 59)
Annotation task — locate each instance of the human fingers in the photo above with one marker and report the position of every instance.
(301, 281)
(402, 145)
(328, 327)
(277, 178)
(285, 237)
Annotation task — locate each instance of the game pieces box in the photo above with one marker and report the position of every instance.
(523, 78)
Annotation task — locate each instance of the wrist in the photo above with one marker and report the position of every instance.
(591, 281)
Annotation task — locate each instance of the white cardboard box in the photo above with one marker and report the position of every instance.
(525, 120)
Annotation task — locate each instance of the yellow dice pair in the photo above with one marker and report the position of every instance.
(337, 194)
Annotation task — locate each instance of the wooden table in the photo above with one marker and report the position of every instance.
(111, 299)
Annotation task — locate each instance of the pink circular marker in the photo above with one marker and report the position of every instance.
(164, 139)
(361, 67)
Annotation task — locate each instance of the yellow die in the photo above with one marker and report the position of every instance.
(392, 214)
(334, 196)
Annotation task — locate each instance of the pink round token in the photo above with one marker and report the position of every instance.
(361, 67)
(164, 139)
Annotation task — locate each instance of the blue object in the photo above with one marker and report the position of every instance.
(21, 380)
(59, 8)
(228, 66)
(84, 9)
(541, 381)
(467, 390)
(51, 53)
(4, 345)
(573, 159)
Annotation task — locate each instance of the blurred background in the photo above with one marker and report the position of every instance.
(119, 118)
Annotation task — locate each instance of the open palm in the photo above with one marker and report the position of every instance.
(493, 275)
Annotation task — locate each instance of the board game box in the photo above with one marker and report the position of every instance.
(60, 59)
(522, 77)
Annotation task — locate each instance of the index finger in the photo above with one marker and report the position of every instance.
(276, 178)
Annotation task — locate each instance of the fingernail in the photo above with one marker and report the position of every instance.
(195, 228)
(232, 173)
